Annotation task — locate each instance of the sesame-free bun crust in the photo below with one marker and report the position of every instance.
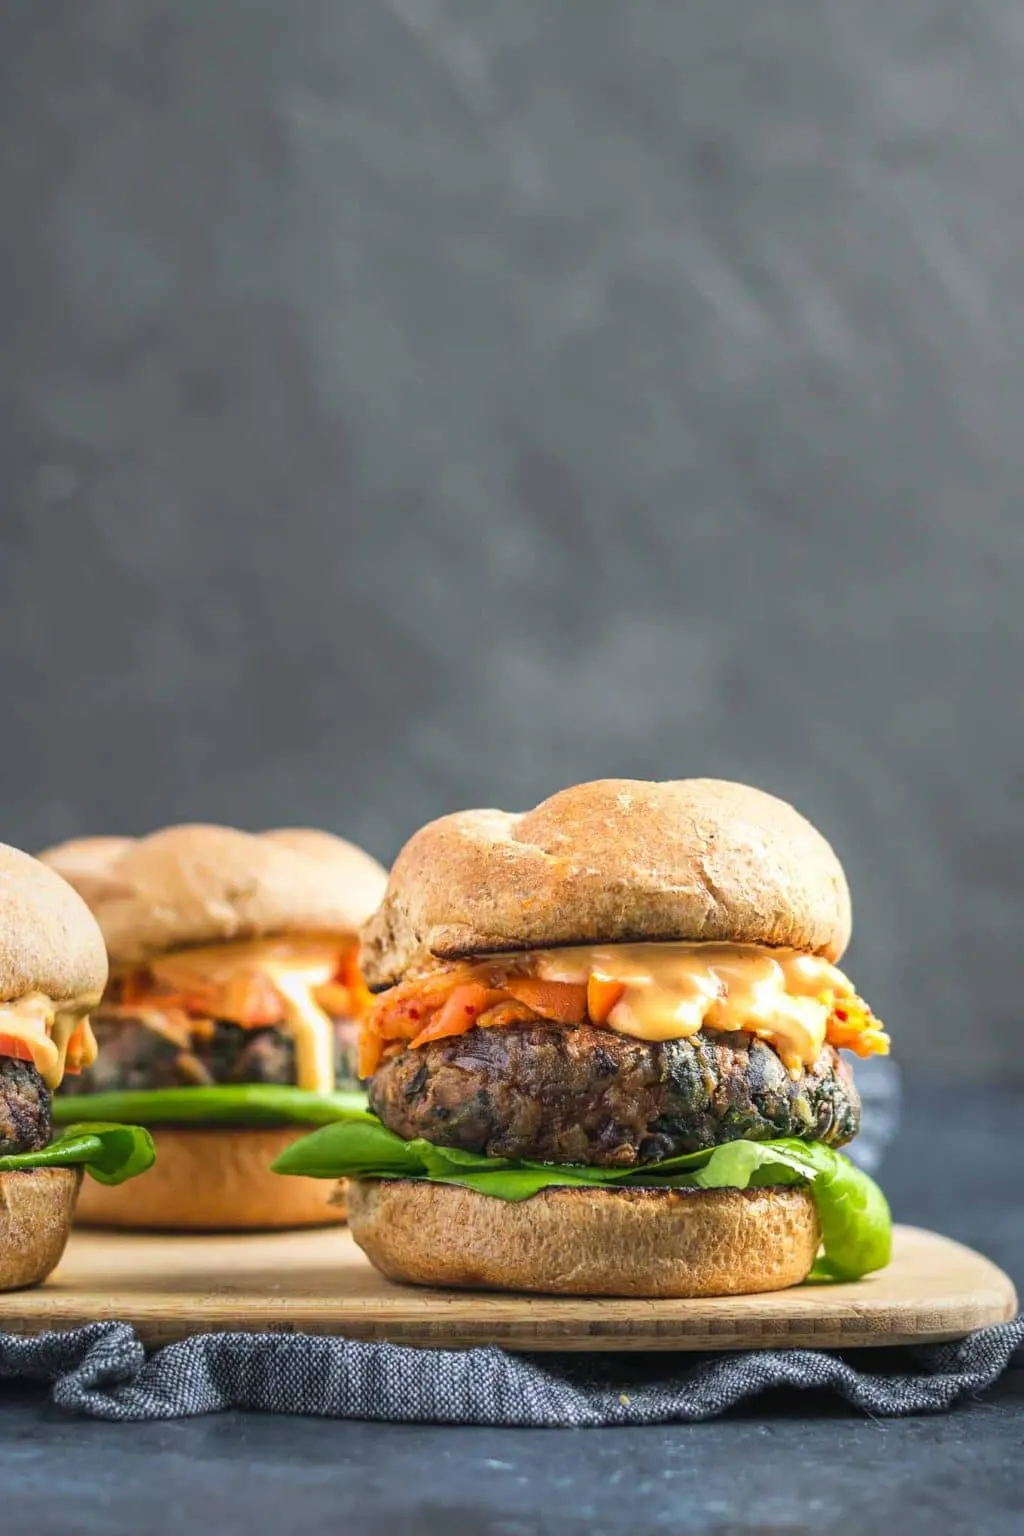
(49, 940)
(213, 1179)
(35, 1219)
(83, 857)
(198, 884)
(587, 1242)
(614, 861)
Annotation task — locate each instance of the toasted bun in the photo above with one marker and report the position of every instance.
(49, 941)
(35, 1219)
(615, 861)
(213, 1179)
(587, 1242)
(209, 885)
(84, 856)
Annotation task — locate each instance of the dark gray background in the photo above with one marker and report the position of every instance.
(412, 405)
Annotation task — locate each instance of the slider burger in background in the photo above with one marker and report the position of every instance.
(605, 1055)
(229, 1024)
(53, 968)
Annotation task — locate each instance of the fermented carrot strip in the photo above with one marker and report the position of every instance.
(435, 1006)
(602, 995)
(371, 1049)
(250, 999)
(336, 999)
(563, 1002)
(350, 980)
(459, 1013)
(504, 1013)
(14, 1046)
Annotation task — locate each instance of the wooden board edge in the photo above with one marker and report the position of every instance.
(932, 1325)
(159, 1335)
(842, 1317)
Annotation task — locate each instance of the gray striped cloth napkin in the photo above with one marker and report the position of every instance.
(103, 1371)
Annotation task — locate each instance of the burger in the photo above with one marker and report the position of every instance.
(53, 968)
(229, 1023)
(609, 1052)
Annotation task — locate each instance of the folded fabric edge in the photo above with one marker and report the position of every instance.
(102, 1371)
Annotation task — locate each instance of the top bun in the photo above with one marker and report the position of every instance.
(85, 861)
(49, 940)
(614, 861)
(209, 885)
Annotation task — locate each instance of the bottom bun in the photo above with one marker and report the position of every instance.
(36, 1208)
(587, 1242)
(213, 1179)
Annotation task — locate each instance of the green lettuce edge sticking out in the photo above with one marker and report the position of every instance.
(248, 1104)
(109, 1153)
(856, 1225)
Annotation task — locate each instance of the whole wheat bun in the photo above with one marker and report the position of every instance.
(587, 1242)
(213, 1179)
(200, 884)
(83, 857)
(49, 940)
(35, 1218)
(614, 861)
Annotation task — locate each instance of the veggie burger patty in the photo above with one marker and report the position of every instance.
(587, 1095)
(211, 1052)
(24, 1107)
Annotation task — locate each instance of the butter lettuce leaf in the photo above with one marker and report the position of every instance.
(856, 1224)
(855, 1221)
(249, 1104)
(109, 1153)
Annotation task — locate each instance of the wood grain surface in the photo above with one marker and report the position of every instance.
(319, 1282)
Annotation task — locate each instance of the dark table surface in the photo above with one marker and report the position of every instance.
(789, 1463)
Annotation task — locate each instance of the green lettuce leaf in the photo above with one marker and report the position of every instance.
(109, 1153)
(855, 1222)
(251, 1104)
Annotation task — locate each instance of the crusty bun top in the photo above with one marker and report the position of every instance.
(209, 885)
(49, 940)
(84, 861)
(614, 861)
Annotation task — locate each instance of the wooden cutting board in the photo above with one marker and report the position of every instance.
(319, 1282)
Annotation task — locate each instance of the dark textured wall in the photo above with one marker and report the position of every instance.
(419, 404)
